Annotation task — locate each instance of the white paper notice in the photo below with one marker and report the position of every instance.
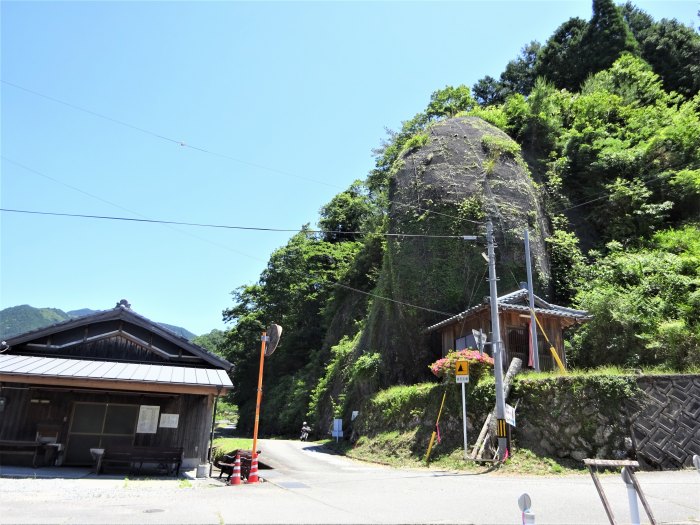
(169, 420)
(148, 420)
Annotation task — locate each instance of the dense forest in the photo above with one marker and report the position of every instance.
(605, 116)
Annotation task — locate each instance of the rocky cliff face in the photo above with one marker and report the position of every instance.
(462, 172)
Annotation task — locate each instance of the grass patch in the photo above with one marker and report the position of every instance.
(225, 445)
(394, 449)
(184, 484)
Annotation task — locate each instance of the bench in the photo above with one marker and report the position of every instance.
(164, 459)
(227, 462)
(35, 449)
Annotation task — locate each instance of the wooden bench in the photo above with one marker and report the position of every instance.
(164, 459)
(36, 449)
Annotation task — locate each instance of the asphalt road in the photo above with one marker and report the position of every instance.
(308, 485)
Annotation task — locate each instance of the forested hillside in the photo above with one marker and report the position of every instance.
(591, 140)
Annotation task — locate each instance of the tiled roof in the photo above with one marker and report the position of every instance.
(510, 302)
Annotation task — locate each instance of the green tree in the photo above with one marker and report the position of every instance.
(560, 60)
(213, 341)
(644, 304)
(293, 292)
(606, 38)
(672, 49)
(447, 102)
(488, 91)
(346, 214)
(627, 215)
(519, 74)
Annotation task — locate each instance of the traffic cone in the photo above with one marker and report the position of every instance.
(253, 475)
(236, 476)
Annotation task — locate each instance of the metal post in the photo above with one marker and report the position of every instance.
(496, 344)
(464, 420)
(533, 323)
(631, 496)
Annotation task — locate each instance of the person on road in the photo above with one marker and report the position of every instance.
(305, 429)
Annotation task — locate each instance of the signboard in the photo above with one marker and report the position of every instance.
(462, 371)
(169, 420)
(510, 415)
(337, 431)
(480, 338)
(462, 368)
(148, 419)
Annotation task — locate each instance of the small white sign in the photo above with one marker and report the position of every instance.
(337, 428)
(169, 420)
(355, 413)
(148, 419)
(510, 415)
(462, 379)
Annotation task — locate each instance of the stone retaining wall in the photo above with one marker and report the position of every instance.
(653, 419)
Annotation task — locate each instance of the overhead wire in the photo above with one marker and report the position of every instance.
(228, 226)
(184, 144)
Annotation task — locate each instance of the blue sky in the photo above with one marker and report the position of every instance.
(231, 113)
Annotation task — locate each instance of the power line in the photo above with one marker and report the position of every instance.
(180, 143)
(145, 218)
(183, 144)
(229, 227)
(394, 300)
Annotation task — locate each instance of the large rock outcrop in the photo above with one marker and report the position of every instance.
(449, 181)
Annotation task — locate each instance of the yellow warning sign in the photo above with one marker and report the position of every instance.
(462, 368)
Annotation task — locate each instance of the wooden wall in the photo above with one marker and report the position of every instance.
(509, 321)
(27, 407)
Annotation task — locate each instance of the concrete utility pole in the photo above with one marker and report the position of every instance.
(531, 294)
(496, 345)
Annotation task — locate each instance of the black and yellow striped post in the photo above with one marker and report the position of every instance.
(501, 428)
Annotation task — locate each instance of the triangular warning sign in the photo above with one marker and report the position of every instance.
(462, 368)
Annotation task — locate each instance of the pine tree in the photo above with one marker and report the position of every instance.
(606, 38)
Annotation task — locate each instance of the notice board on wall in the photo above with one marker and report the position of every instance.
(148, 419)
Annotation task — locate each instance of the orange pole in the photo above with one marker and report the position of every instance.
(257, 404)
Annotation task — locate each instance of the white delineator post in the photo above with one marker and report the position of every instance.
(631, 496)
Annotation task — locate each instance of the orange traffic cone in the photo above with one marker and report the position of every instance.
(253, 475)
(236, 476)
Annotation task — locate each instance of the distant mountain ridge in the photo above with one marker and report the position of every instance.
(17, 320)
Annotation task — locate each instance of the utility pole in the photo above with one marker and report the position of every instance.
(496, 345)
(531, 294)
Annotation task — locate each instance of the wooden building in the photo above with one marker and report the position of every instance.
(109, 379)
(456, 333)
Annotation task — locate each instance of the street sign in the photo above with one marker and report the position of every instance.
(462, 371)
(462, 368)
(510, 415)
(480, 338)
